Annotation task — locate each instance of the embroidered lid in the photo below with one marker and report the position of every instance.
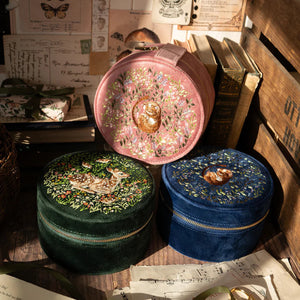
(154, 105)
(227, 187)
(98, 193)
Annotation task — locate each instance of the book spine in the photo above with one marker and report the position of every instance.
(228, 87)
(248, 89)
(199, 46)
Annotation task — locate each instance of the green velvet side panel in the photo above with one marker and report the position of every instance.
(93, 258)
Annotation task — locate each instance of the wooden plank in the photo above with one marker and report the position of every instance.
(289, 209)
(279, 21)
(278, 96)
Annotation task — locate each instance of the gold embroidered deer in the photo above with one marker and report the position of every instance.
(95, 185)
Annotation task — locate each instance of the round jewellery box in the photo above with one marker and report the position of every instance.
(213, 207)
(94, 211)
(154, 105)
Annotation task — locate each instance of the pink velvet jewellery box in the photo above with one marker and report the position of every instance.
(154, 105)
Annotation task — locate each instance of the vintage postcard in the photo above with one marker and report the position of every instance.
(56, 60)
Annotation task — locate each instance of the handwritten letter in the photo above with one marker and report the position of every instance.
(53, 60)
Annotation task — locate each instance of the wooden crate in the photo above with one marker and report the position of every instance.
(272, 128)
(279, 95)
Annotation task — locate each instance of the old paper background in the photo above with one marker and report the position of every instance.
(259, 273)
(55, 60)
(54, 17)
(14, 288)
(223, 15)
(133, 20)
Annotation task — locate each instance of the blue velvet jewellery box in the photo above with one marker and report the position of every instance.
(94, 211)
(213, 207)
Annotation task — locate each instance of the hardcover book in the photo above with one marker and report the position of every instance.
(200, 47)
(249, 85)
(228, 83)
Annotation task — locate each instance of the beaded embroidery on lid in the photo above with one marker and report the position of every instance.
(140, 95)
(242, 180)
(97, 182)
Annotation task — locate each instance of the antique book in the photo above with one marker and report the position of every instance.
(200, 47)
(183, 44)
(228, 83)
(250, 83)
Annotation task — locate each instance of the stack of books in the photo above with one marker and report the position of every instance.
(200, 47)
(235, 77)
(78, 126)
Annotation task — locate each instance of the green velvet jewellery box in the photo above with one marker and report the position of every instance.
(213, 207)
(94, 211)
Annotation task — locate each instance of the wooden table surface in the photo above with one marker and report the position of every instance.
(19, 241)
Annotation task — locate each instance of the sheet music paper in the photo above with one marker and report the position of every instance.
(258, 273)
(259, 287)
(12, 288)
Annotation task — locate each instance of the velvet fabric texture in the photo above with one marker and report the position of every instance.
(94, 211)
(213, 207)
(154, 105)
(97, 256)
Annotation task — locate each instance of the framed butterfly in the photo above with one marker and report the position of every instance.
(59, 12)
